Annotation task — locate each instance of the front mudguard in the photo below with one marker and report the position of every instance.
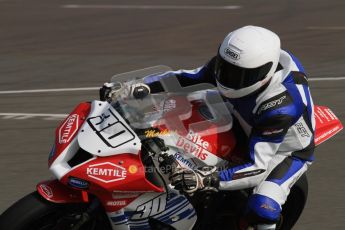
(56, 192)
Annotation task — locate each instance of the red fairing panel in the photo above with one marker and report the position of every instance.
(327, 124)
(69, 128)
(123, 173)
(56, 192)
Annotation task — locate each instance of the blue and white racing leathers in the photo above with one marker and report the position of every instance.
(279, 123)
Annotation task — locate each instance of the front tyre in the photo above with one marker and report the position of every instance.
(35, 213)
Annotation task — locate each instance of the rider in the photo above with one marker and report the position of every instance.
(268, 90)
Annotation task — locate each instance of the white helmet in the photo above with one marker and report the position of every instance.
(246, 60)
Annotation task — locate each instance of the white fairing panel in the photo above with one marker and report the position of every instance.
(174, 210)
(106, 133)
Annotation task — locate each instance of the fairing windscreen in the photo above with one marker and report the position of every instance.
(171, 106)
(118, 126)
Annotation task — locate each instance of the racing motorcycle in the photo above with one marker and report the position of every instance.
(112, 160)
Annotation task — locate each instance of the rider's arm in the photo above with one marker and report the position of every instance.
(204, 74)
(264, 141)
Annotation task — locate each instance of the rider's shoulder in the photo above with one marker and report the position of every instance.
(276, 102)
(278, 111)
(290, 64)
(278, 97)
(277, 107)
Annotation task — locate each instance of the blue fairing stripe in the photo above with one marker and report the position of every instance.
(182, 215)
(296, 165)
(176, 201)
(192, 215)
(117, 219)
(186, 213)
(167, 215)
(166, 218)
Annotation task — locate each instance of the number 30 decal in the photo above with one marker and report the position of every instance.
(110, 129)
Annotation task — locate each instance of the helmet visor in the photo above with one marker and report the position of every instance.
(235, 77)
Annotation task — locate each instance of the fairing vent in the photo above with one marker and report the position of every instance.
(80, 157)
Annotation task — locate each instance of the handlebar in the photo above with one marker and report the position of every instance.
(167, 163)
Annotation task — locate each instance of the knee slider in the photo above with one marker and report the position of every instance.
(262, 209)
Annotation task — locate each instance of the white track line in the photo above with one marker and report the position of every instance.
(96, 88)
(24, 116)
(151, 7)
(326, 27)
(326, 79)
(49, 90)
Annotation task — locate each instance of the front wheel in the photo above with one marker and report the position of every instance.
(35, 213)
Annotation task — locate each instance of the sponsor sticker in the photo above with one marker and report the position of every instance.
(232, 54)
(78, 183)
(165, 106)
(132, 169)
(271, 104)
(188, 162)
(268, 207)
(110, 129)
(156, 133)
(150, 208)
(328, 134)
(106, 172)
(116, 203)
(325, 115)
(194, 144)
(47, 190)
(301, 129)
(68, 129)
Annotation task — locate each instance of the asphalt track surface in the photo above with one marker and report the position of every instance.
(44, 45)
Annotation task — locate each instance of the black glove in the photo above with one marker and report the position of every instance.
(190, 181)
(105, 92)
